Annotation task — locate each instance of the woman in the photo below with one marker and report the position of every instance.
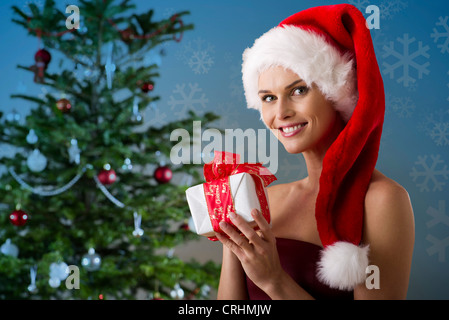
(315, 80)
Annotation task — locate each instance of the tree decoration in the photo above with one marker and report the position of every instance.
(18, 218)
(36, 161)
(32, 287)
(9, 249)
(64, 105)
(163, 174)
(91, 261)
(31, 137)
(58, 272)
(42, 58)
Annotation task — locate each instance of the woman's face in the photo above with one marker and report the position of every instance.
(297, 113)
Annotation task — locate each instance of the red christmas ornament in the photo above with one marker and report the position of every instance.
(163, 174)
(42, 58)
(64, 105)
(107, 176)
(18, 218)
(127, 35)
(147, 86)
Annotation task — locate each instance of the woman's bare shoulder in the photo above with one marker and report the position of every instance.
(382, 187)
(387, 200)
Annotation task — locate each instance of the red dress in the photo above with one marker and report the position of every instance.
(299, 259)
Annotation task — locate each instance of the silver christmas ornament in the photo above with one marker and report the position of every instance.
(36, 161)
(91, 261)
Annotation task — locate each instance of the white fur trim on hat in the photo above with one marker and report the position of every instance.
(310, 56)
(343, 265)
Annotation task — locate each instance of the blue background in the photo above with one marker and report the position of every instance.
(415, 143)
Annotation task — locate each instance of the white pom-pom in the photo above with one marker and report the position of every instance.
(343, 265)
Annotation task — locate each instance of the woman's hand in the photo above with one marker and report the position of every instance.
(256, 251)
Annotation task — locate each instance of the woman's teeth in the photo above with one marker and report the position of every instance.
(291, 129)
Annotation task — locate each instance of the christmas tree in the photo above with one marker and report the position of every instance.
(82, 215)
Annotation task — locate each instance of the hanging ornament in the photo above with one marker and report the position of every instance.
(42, 59)
(13, 116)
(18, 218)
(74, 152)
(91, 261)
(163, 174)
(31, 137)
(177, 292)
(127, 166)
(32, 287)
(138, 232)
(127, 35)
(110, 66)
(107, 175)
(146, 86)
(58, 273)
(64, 105)
(137, 116)
(36, 161)
(9, 249)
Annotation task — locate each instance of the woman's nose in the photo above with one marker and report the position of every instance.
(284, 109)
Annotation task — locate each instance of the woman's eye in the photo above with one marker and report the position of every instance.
(300, 91)
(268, 98)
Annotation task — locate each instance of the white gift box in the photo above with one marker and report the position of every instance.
(243, 191)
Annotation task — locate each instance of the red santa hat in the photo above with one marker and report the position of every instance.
(332, 47)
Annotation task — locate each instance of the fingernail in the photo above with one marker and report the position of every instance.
(222, 224)
(254, 212)
(232, 215)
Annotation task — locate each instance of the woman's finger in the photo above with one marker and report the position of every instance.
(246, 229)
(230, 245)
(238, 239)
(263, 225)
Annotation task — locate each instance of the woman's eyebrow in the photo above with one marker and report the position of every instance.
(293, 83)
(286, 88)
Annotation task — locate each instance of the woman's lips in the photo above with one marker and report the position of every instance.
(289, 131)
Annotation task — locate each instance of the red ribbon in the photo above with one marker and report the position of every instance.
(217, 187)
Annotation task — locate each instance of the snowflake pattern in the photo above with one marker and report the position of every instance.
(388, 9)
(188, 100)
(228, 116)
(403, 107)
(439, 216)
(197, 55)
(359, 4)
(436, 35)
(430, 173)
(406, 60)
(440, 134)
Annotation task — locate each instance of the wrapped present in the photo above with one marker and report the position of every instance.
(230, 186)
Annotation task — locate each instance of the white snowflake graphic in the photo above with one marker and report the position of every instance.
(359, 4)
(388, 9)
(406, 60)
(188, 100)
(434, 172)
(197, 55)
(157, 119)
(440, 134)
(200, 62)
(403, 107)
(439, 216)
(228, 116)
(436, 35)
